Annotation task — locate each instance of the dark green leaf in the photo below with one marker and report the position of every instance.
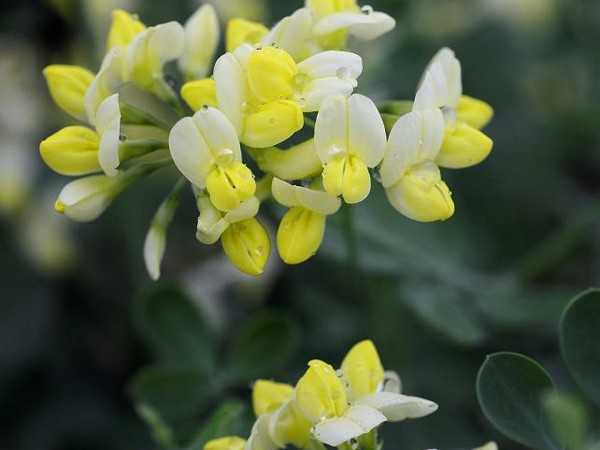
(510, 388)
(173, 327)
(228, 420)
(262, 348)
(174, 393)
(580, 341)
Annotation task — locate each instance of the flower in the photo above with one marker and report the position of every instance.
(301, 229)
(67, 86)
(349, 138)
(201, 40)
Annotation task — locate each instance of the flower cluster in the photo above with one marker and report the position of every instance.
(328, 406)
(236, 130)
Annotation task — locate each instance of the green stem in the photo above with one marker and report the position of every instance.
(368, 441)
(139, 147)
(552, 250)
(133, 115)
(345, 446)
(352, 252)
(165, 92)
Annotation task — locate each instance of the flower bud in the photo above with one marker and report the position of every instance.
(463, 146)
(72, 151)
(123, 29)
(67, 86)
(300, 234)
(474, 112)
(247, 246)
(201, 40)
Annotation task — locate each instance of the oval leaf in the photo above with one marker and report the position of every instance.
(174, 329)
(510, 389)
(580, 341)
(262, 348)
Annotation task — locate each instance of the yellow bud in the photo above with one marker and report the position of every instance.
(226, 443)
(267, 396)
(320, 393)
(474, 112)
(421, 195)
(247, 246)
(300, 234)
(463, 146)
(362, 369)
(123, 29)
(199, 93)
(67, 86)
(270, 73)
(72, 151)
(272, 124)
(240, 31)
(326, 7)
(229, 186)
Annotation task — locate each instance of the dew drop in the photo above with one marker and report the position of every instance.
(302, 102)
(260, 250)
(272, 120)
(259, 47)
(343, 73)
(274, 45)
(244, 106)
(225, 158)
(367, 10)
(122, 137)
(204, 107)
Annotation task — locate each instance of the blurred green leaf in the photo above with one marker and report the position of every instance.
(510, 388)
(174, 328)
(174, 393)
(263, 347)
(161, 431)
(446, 311)
(567, 418)
(227, 420)
(580, 341)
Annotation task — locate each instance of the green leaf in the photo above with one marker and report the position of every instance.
(174, 329)
(228, 420)
(262, 348)
(174, 393)
(580, 341)
(161, 431)
(568, 419)
(510, 388)
(446, 311)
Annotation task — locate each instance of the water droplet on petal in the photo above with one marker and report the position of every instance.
(204, 107)
(274, 45)
(225, 157)
(367, 10)
(259, 47)
(122, 137)
(272, 120)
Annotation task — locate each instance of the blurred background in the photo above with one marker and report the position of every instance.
(93, 355)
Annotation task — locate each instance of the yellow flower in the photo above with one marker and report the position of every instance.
(201, 40)
(72, 151)
(198, 93)
(123, 29)
(241, 31)
(247, 246)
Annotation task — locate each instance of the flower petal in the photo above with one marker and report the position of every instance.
(190, 152)
(231, 88)
(367, 138)
(397, 407)
(108, 125)
(364, 26)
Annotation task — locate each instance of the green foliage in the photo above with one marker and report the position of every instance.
(580, 341)
(224, 421)
(568, 419)
(510, 388)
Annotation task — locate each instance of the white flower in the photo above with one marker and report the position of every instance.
(108, 127)
(201, 40)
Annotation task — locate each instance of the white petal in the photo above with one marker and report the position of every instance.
(363, 26)
(154, 250)
(319, 89)
(232, 91)
(190, 152)
(218, 132)
(292, 33)
(202, 32)
(444, 86)
(367, 138)
(247, 209)
(259, 437)
(86, 198)
(211, 223)
(426, 96)
(397, 407)
(337, 430)
(432, 134)
(402, 148)
(317, 201)
(166, 43)
(331, 128)
(332, 63)
(106, 82)
(108, 125)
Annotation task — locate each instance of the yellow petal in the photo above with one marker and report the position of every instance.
(294, 163)
(226, 443)
(267, 396)
(300, 234)
(270, 73)
(362, 369)
(463, 146)
(123, 29)
(67, 86)
(247, 246)
(229, 186)
(320, 393)
(421, 195)
(72, 151)
(272, 124)
(474, 112)
(240, 31)
(333, 175)
(199, 93)
(357, 181)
